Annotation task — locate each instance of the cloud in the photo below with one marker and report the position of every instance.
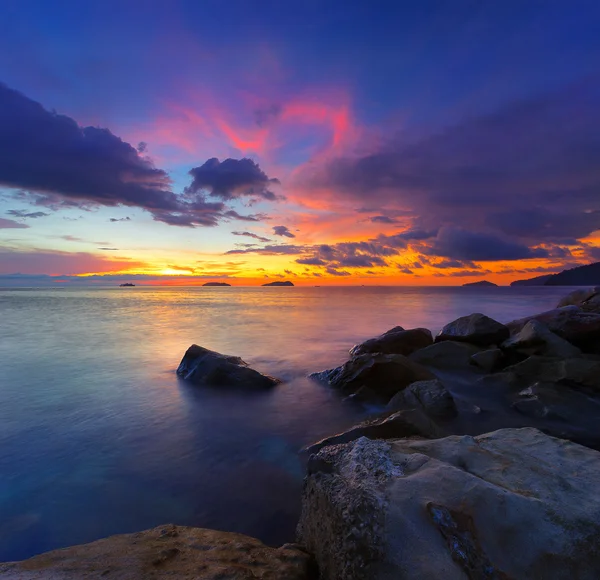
(258, 217)
(313, 261)
(124, 219)
(251, 235)
(528, 170)
(11, 224)
(383, 219)
(283, 231)
(24, 214)
(273, 250)
(462, 245)
(334, 272)
(232, 179)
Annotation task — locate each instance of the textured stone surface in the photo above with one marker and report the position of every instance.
(169, 551)
(476, 329)
(514, 503)
(583, 297)
(446, 355)
(381, 375)
(395, 341)
(488, 360)
(429, 396)
(536, 338)
(207, 367)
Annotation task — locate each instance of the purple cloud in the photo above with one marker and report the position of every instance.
(11, 224)
(283, 231)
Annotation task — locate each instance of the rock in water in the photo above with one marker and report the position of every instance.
(429, 396)
(167, 552)
(569, 322)
(514, 503)
(476, 329)
(381, 375)
(206, 367)
(395, 341)
(537, 338)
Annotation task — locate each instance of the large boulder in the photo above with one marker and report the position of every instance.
(429, 396)
(167, 552)
(569, 322)
(399, 425)
(586, 298)
(379, 375)
(514, 503)
(395, 341)
(536, 338)
(488, 360)
(476, 329)
(207, 367)
(446, 355)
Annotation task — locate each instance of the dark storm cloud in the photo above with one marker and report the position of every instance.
(24, 214)
(530, 170)
(251, 235)
(283, 231)
(232, 179)
(463, 245)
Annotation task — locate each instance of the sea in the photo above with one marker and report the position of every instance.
(98, 436)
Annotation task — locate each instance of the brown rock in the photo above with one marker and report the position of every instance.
(167, 552)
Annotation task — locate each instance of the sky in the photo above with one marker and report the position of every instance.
(324, 142)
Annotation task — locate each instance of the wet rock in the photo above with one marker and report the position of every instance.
(569, 322)
(536, 338)
(488, 360)
(429, 396)
(381, 374)
(585, 298)
(398, 425)
(514, 503)
(206, 367)
(475, 329)
(183, 553)
(395, 341)
(446, 355)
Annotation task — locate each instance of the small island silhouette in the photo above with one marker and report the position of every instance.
(286, 283)
(481, 283)
(216, 284)
(127, 284)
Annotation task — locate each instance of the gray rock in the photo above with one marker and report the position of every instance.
(380, 374)
(167, 552)
(578, 297)
(206, 367)
(488, 360)
(475, 329)
(569, 322)
(395, 341)
(402, 424)
(429, 396)
(514, 503)
(446, 355)
(536, 338)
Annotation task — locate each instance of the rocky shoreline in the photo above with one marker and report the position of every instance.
(482, 463)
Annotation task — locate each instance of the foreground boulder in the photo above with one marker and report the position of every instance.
(536, 338)
(395, 341)
(431, 397)
(488, 360)
(579, 327)
(167, 552)
(446, 355)
(207, 367)
(514, 503)
(374, 376)
(477, 329)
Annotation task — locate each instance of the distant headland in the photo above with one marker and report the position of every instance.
(481, 283)
(286, 283)
(588, 275)
(216, 284)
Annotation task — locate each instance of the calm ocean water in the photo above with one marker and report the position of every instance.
(98, 436)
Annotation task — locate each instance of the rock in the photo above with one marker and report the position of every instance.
(402, 424)
(569, 322)
(475, 329)
(381, 374)
(488, 360)
(395, 341)
(536, 338)
(575, 372)
(578, 297)
(206, 367)
(446, 355)
(514, 503)
(167, 551)
(429, 396)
